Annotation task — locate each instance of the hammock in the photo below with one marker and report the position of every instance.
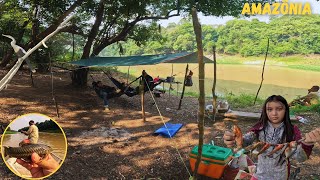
(111, 91)
(129, 91)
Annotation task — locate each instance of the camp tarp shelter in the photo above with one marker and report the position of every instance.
(185, 57)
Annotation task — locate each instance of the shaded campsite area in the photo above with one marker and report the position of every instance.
(129, 150)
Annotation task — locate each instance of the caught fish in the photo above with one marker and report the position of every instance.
(291, 149)
(238, 137)
(264, 148)
(254, 146)
(276, 149)
(26, 151)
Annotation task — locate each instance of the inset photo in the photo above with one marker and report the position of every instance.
(33, 146)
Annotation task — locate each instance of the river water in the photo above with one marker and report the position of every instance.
(237, 79)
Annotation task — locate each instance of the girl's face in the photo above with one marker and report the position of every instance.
(275, 112)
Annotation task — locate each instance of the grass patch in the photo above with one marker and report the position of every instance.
(308, 63)
(12, 132)
(305, 67)
(242, 100)
(191, 94)
(301, 109)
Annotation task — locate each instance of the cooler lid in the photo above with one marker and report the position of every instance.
(213, 152)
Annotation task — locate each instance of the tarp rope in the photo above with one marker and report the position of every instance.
(52, 88)
(175, 144)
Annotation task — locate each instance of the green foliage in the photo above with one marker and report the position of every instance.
(45, 126)
(242, 100)
(306, 67)
(135, 28)
(191, 94)
(11, 132)
(301, 109)
(288, 35)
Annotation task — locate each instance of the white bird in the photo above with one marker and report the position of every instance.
(19, 51)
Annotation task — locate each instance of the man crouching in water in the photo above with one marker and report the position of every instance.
(32, 133)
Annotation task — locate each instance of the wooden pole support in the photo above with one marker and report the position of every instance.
(184, 86)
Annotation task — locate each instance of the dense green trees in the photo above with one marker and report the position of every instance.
(44, 126)
(98, 24)
(288, 35)
(108, 28)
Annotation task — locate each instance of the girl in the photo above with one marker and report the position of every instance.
(275, 127)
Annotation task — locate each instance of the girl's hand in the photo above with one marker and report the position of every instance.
(228, 139)
(312, 137)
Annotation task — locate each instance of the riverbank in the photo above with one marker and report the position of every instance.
(301, 62)
(142, 155)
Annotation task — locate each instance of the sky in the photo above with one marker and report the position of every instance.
(23, 121)
(212, 20)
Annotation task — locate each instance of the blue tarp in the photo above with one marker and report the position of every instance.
(172, 128)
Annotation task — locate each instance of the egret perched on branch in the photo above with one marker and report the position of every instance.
(19, 51)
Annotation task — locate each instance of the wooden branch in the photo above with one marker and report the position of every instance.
(184, 86)
(264, 63)
(125, 30)
(197, 31)
(52, 88)
(160, 17)
(214, 96)
(73, 29)
(60, 19)
(7, 78)
(94, 30)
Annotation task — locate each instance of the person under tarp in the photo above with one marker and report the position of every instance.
(106, 92)
(130, 91)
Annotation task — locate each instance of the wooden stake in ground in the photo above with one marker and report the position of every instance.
(264, 64)
(52, 88)
(171, 79)
(184, 86)
(141, 91)
(32, 83)
(197, 31)
(214, 96)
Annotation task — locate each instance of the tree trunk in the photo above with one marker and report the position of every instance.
(94, 31)
(197, 31)
(54, 26)
(41, 63)
(6, 58)
(10, 52)
(214, 96)
(79, 77)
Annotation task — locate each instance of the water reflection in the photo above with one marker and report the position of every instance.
(55, 140)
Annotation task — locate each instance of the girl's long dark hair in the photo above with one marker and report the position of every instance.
(288, 127)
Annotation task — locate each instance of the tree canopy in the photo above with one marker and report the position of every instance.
(98, 23)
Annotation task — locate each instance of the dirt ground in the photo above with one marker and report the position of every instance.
(142, 155)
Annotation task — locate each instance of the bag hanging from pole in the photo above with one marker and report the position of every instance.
(170, 79)
(189, 81)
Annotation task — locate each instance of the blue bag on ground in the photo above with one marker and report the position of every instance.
(172, 128)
